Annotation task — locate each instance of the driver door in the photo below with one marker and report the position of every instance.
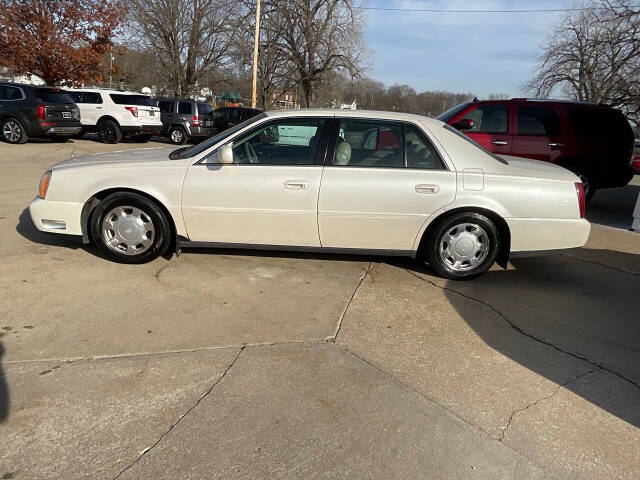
(267, 196)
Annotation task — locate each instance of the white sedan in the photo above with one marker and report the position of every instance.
(340, 181)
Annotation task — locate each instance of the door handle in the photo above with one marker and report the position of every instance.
(422, 188)
(500, 142)
(296, 184)
(556, 144)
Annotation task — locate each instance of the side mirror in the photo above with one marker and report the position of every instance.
(463, 124)
(223, 155)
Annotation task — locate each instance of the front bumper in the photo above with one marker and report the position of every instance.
(56, 217)
(142, 130)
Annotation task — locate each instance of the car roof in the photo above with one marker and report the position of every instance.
(541, 101)
(373, 114)
(102, 90)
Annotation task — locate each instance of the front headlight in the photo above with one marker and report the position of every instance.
(44, 185)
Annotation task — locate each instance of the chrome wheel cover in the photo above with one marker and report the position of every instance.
(464, 247)
(12, 131)
(128, 230)
(177, 136)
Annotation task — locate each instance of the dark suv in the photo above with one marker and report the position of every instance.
(34, 111)
(184, 119)
(594, 141)
(227, 117)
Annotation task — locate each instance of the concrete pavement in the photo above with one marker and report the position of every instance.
(217, 364)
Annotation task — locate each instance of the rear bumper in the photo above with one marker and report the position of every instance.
(56, 217)
(62, 131)
(200, 131)
(534, 235)
(142, 130)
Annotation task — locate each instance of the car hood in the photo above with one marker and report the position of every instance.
(525, 167)
(153, 154)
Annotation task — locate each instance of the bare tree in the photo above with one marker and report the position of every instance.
(188, 37)
(318, 36)
(594, 55)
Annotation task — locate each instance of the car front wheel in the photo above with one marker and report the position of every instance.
(463, 246)
(130, 228)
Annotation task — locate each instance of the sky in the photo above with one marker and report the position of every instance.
(481, 53)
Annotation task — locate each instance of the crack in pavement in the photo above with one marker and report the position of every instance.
(160, 270)
(333, 337)
(546, 397)
(601, 264)
(521, 331)
(173, 425)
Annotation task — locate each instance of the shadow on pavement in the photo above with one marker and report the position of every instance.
(588, 310)
(614, 206)
(28, 230)
(4, 390)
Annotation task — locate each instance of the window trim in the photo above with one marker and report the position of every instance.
(545, 134)
(24, 96)
(330, 154)
(321, 151)
(476, 107)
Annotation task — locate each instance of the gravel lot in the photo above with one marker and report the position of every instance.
(229, 364)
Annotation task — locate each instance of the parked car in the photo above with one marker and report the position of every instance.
(635, 160)
(593, 141)
(36, 111)
(115, 114)
(227, 117)
(184, 119)
(432, 194)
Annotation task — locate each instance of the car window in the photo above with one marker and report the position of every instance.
(234, 115)
(184, 108)
(76, 97)
(188, 152)
(489, 119)
(282, 142)
(369, 143)
(53, 95)
(204, 108)
(219, 114)
(91, 97)
(165, 107)
(420, 152)
(11, 93)
(537, 121)
(139, 100)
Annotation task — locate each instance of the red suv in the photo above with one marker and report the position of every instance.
(594, 141)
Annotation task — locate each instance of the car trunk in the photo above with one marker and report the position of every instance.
(56, 107)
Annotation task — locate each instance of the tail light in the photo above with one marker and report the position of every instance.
(42, 112)
(133, 110)
(580, 193)
(195, 121)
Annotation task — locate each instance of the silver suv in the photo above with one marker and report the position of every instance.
(184, 119)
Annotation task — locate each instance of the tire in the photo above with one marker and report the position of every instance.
(177, 136)
(142, 138)
(462, 247)
(130, 228)
(12, 131)
(587, 185)
(109, 132)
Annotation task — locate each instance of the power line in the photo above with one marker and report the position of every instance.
(439, 10)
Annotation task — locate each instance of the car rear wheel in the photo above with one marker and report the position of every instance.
(130, 228)
(587, 186)
(178, 136)
(463, 246)
(109, 132)
(12, 131)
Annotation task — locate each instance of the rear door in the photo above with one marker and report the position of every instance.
(268, 196)
(490, 127)
(90, 105)
(382, 180)
(538, 133)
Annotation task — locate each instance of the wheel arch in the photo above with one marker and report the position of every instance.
(90, 205)
(107, 117)
(503, 230)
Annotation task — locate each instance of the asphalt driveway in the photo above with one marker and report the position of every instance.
(230, 364)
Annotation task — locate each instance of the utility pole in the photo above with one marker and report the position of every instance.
(110, 68)
(256, 41)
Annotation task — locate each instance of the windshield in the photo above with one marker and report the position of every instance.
(473, 142)
(139, 100)
(201, 147)
(53, 95)
(452, 112)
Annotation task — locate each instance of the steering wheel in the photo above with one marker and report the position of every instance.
(250, 152)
